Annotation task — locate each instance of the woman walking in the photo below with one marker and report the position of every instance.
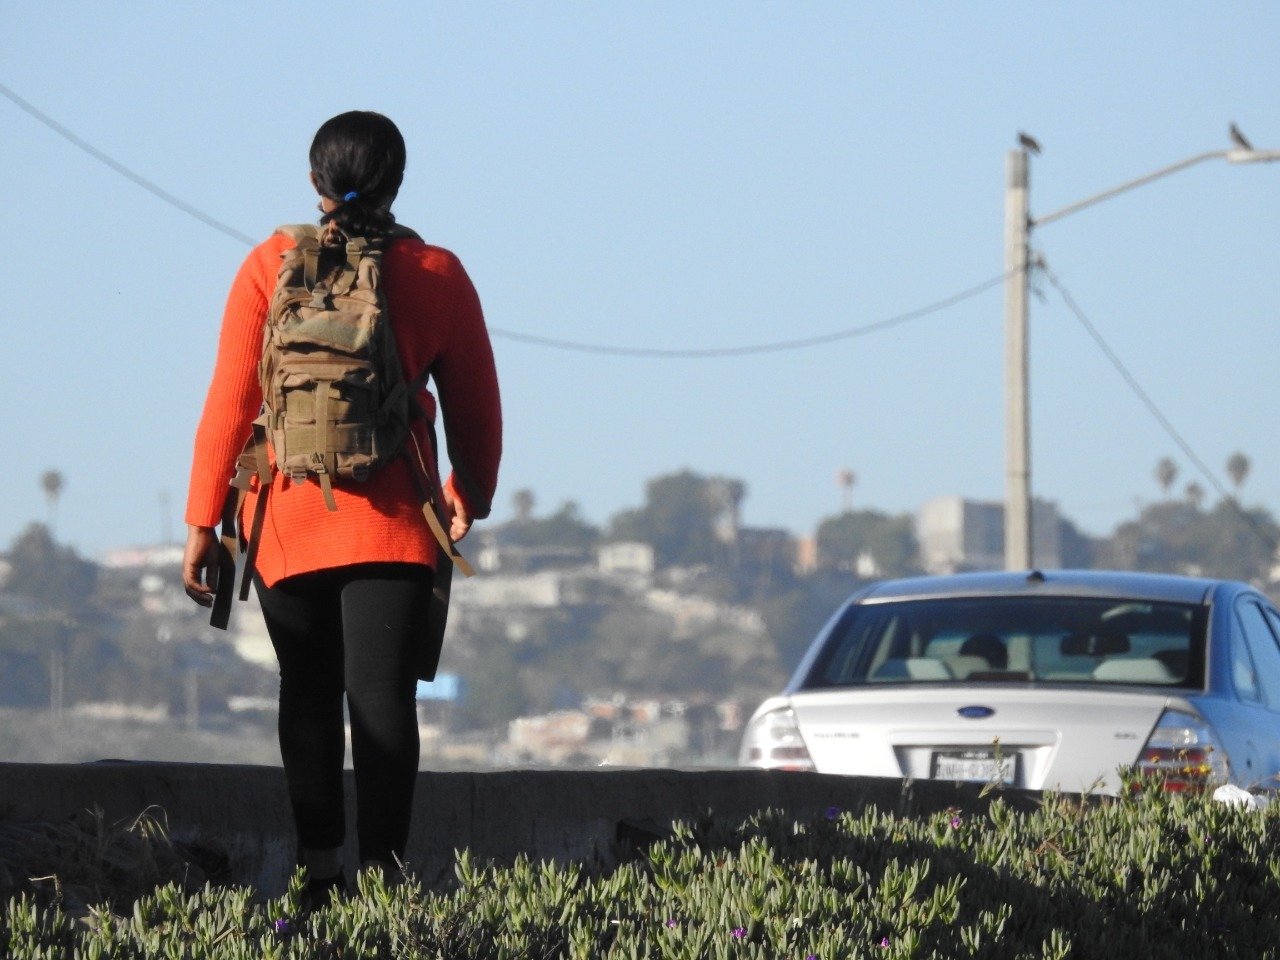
(344, 569)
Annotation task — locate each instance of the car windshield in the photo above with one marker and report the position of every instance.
(1060, 640)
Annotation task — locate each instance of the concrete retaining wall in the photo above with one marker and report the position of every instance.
(585, 815)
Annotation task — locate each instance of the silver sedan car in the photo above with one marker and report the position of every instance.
(1055, 680)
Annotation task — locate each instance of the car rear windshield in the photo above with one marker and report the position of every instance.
(1060, 640)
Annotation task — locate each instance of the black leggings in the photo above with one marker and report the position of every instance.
(354, 629)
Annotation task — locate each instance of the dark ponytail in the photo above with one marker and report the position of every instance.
(357, 159)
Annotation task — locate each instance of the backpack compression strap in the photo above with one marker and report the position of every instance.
(228, 547)
(323, 459)
(432, 513)
(229, 541)
(442, 583)
(263, 468)
(427, 480)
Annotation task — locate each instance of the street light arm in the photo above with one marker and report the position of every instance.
(1129, 185)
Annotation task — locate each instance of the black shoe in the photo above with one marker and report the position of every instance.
(319, 892)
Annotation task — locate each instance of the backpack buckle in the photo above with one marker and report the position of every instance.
(244, 476)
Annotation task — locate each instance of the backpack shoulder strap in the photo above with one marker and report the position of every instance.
(306, 237)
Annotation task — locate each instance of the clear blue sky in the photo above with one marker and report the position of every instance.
(667, 175)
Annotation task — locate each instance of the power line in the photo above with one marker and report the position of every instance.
(532, 339)
(1150, 404)
(124, 171)
(773, 347)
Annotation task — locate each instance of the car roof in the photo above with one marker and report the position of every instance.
(1051, 583)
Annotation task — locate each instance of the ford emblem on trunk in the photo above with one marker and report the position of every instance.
(975, 713)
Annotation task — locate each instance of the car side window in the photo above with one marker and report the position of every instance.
(1255, 663)
(1273, 621)
(1268, 659)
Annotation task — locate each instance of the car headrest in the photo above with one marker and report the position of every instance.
(1076, 645)
(1110, 642)
(1105, 643)
(1178, 661)
(988, 647)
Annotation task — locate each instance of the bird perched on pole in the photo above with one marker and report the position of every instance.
(1028, 142)
(1239, 138)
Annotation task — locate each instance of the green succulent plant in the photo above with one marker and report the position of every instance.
(1152, 875)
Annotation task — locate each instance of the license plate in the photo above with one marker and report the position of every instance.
(975, 765)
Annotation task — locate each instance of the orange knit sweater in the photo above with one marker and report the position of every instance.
(438, 324)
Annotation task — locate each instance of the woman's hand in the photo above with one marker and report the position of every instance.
(200, 565)
(456, 510)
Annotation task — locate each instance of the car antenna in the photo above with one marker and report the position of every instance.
(1035, 576)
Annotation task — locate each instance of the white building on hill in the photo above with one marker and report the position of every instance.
(956, 534)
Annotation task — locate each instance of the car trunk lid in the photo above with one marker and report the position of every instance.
(1033, 737)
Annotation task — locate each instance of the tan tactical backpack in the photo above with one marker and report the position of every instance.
(333, 392)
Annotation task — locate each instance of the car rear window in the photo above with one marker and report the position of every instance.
(1070, 640)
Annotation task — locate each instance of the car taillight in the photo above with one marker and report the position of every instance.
(773, 741)
(1183, 753)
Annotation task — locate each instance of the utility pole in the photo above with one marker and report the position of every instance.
(846, 478)
(1018, 223)
(1017, 504)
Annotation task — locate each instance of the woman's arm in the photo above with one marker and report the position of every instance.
(232, 402)
(467, 381)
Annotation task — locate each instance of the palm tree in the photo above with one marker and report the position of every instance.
(1166, 473)
(1238, 469)
(51, 483)
(523, 501)
(1195, 494)
(846, 478)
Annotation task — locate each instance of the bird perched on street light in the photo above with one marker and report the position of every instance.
(1028, 142)
(1239, 138)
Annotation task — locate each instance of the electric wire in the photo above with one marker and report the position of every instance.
(124, 171)
(527, 338)
(1042, 265)
(776, 346)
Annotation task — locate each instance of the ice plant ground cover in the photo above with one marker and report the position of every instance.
(1152, 875)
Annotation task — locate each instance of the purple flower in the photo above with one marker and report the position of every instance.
(812, 956)
(672, 923)
(833, 812)
(739, 933)
(282, 925)
(955, 822)
(884, 942)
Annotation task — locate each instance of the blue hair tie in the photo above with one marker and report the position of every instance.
(348, 197)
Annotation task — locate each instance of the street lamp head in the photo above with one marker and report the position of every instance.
(1244, 151)
(1252, 156)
